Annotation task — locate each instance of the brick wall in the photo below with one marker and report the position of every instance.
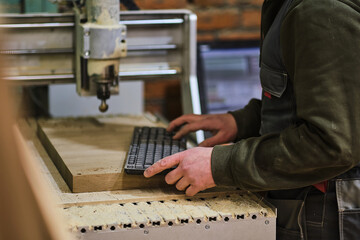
(217, 20)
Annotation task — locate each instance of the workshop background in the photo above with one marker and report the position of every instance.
(218, 20)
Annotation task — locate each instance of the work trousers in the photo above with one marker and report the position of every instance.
(309, 214)
(306, 213)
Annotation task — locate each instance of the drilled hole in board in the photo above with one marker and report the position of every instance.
(242, 216)
(97, 228)
(212, 219)
(170, 223)
(184, 221)
(83, 230)
(156, 223)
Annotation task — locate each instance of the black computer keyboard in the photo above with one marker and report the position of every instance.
(149, 145)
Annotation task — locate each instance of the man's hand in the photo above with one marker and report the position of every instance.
(222, 126)
(193, 172)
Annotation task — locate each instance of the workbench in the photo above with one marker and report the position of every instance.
(152, 212)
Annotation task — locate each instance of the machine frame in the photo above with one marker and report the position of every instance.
(40, 49)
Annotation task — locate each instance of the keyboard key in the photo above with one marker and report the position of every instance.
(149, 159)
(174, 149)
(153, 133)
(131, 160)
(134, 149)
(161, 131)
(158, 152)
(167, 151)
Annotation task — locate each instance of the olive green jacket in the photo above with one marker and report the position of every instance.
(320, 44)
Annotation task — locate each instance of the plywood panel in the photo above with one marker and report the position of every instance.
(90, 153)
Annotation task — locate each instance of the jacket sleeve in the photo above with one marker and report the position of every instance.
(321, 51)
(248, 120)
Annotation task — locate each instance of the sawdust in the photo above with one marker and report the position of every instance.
(166, 212)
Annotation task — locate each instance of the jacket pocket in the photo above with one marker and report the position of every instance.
(348, 197)
(273, 81)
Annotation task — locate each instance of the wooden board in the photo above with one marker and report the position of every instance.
(90, 153)
(29, 128)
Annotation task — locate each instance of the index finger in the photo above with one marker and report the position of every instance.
(181, 120)
(163, 164)
(193, 127)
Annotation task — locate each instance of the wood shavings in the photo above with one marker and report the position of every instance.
(178, 211)
(197, 209)
(164, 211)
(248, 203)
(150, 213)
(136, 214)
(156, 213)
(96, 215)
(223, 206)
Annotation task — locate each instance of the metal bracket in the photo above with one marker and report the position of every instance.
(100, 42)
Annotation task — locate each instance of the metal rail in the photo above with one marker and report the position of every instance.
(40, 79)
(35, 25)
(71, 24)
(71, 50)
(36, 51)
(70, 78)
